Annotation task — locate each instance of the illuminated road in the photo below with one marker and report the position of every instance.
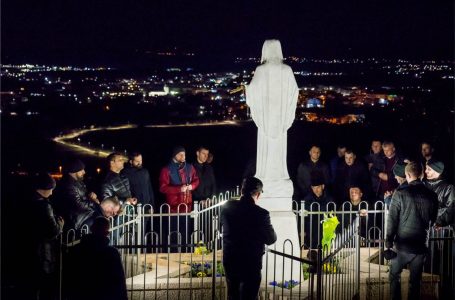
(67, 139)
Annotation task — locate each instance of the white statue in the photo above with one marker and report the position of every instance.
(272, 98)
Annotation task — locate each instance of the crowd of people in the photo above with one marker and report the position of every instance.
(381, 175)
(374, 177)
(73, 207)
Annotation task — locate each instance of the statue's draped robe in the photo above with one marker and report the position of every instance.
(272, 98)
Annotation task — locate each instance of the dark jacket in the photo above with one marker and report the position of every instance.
(377, 166)
(391, 183)
(95, 270)
(349, 176)
(445, 192)
(140, 185)
(334, 163)
(43, 231)
(71, 201)
(312, 223)
(246, 230)
(207, 182)
(306, 170)
(388, 199)
(448, 217)
(323, 200)
(88, 219)
(116, 185)
(412, 210)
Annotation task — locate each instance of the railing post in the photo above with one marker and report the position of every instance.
(196, 216)
(60, 285)
(319, 272)
(214, 262)
(140, 222)
(357, 251)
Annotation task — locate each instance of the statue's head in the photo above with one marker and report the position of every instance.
(271, 51)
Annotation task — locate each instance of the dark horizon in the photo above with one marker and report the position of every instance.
(117, 33)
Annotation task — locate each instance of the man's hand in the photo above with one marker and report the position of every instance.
(184, 188)
(132, 201)
(363, 212)
(92, 196)
(383, 176)
(189, 187)
(60, 221)
(387, 194)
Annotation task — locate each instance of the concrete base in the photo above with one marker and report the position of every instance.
(277, 195)
(274, 267)
(277, 199)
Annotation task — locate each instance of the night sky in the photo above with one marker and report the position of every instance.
(80, 31)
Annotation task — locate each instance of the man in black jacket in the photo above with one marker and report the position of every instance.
(139, 178)
(207, 183)
(317, 200)
(435, 182)
(311, 166)
(44, 229)
(115, 183)
(94, 268)
(375, 161)
(412, 210)
(351, 173)
(71, 199)
(246, 230)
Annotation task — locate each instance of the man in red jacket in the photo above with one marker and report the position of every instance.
(177, 180)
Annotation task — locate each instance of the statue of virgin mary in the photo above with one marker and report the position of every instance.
(272, 97)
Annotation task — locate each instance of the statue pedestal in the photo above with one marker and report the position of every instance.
(277, 195)
(277, 199)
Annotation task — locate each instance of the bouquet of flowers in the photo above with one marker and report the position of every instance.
(206, 269)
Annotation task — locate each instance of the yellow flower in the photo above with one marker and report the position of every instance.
(201, 274)
(201, 249)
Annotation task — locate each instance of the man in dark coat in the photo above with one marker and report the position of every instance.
(351, 173)
(446, 197)
(412, 210)
(375, 161)
(71, 199)
(115, 183)
(109, 207)
(95, 269)
(44, 230)
(315, 201)
(207, 182)
(435, 182)
(336, 161)
(387, 181)
(246, 230)
(311, 166)
(426, 150)
(140, 183)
